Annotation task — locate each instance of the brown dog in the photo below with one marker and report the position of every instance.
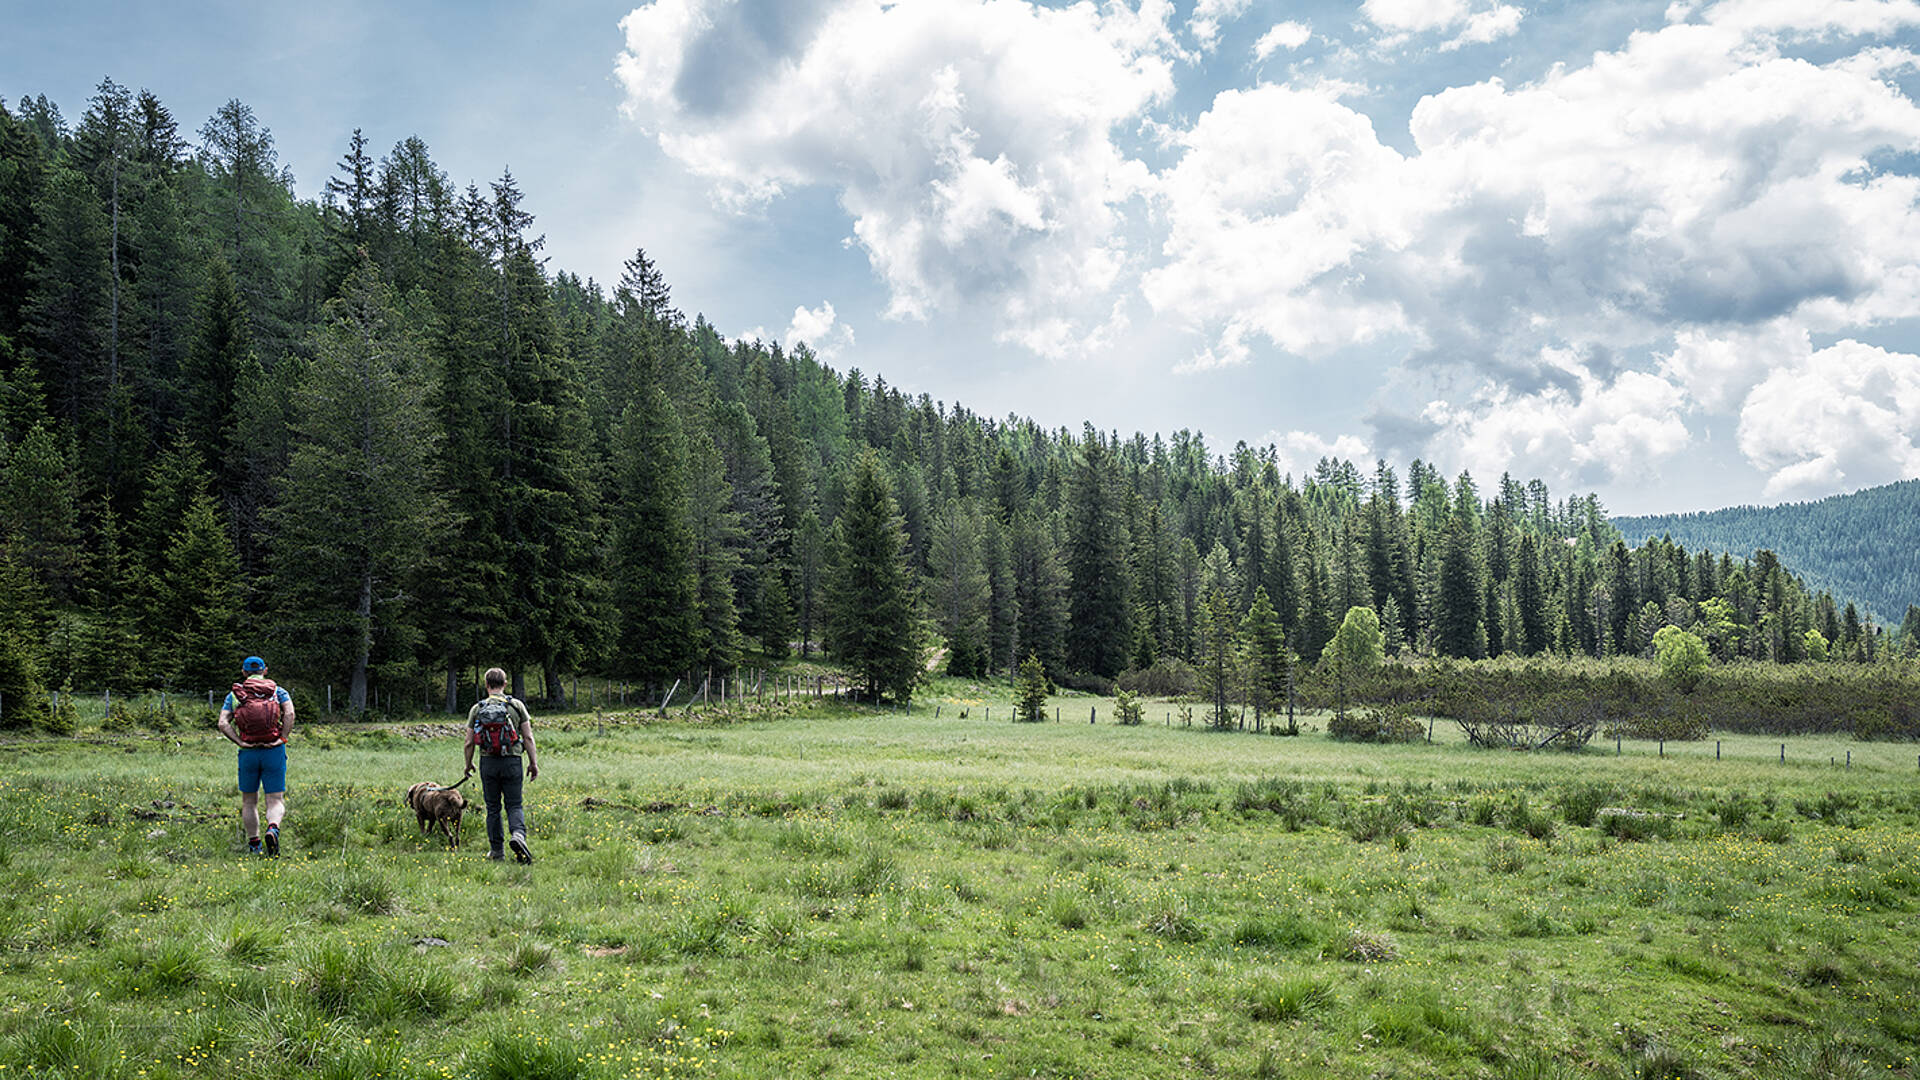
(434, 804)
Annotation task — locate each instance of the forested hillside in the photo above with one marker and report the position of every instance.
(378, 439)
(1865, 546)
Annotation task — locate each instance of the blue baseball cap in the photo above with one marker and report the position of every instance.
(253, 663)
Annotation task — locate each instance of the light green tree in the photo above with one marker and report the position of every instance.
(1816, 646)
(1357, 650)
(1682, 656)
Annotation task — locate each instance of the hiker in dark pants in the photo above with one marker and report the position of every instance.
(257, 717)
(498, 726)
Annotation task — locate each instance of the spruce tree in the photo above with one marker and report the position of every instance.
(1267, 652)
(1460, 627)
(39, 526)
(1040, 593)
(1030, 692)
(1219, 655)
(199, 632)
(959, 589)
(873, 621)
(349, 533)
(655, 590)
(24, 621)
(1098, 633)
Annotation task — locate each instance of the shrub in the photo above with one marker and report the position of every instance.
(1030, 705)
(1169, 677)
(1376, 820)
(64, 719)
(1086, 682)
(1126, 709)
(1579, 805)
(1377, 724)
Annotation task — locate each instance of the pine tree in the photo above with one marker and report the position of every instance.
(197, 632)
(1040, 594)
(873, 623)
(218, 361)
(1267, 652)
(1098, 633)
(66, 311)
(1529, 595)
(809, 566)
(1219, 655)
(23, 623)
(349, 532)
(654, 586)
(959, 589)
(39, 526)
(1460, 626)
(1030, 692)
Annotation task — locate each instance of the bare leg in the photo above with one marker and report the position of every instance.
(250, 814)
(276, 806)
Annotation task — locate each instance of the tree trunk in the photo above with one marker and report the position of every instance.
(357, 692)
(453, 688)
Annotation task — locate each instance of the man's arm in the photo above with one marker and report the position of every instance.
(526, 737)
(286, 718)
(469, 743)
(225, 723)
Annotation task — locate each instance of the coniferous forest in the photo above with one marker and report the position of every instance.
(377, 438)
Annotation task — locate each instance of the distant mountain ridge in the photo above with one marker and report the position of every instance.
(1863, 547)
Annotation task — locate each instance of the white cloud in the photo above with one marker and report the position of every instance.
(821, 329)
(969, 140)
(1585, 433)
(1299, 451)
(1845, 417)
(1695, 181)
(1286, 35)
(1208, 15)
(1277, 191)
(1477, 21)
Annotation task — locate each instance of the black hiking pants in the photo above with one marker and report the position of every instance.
(500, 782)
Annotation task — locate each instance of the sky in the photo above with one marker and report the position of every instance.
(1664, 252)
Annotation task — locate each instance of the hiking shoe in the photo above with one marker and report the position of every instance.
(495, 856)
(273, 842)
(520, 852)
(253, 846)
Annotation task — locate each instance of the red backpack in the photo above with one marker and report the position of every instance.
(256, 711)
(496, 726)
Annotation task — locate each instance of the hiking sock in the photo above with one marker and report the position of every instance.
(273, 841)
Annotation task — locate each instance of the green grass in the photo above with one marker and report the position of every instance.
(902, 895)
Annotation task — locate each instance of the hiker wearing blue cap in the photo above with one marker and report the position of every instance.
(257, 717)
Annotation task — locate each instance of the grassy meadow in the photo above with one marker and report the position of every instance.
(831, 893)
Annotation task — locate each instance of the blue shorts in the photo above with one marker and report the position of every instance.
(263, 767)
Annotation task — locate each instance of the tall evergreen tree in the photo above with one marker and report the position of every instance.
(197, 630)
(959, 589)
(1098, 633)
(873, 621)
(349, 533)
(654, 588)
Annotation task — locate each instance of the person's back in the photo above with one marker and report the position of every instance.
(500, 729)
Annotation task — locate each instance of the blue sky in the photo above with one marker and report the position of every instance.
(1663, 251)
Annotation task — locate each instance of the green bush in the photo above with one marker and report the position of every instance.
(1126, 709)
(64, 718)
(1377, 724)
